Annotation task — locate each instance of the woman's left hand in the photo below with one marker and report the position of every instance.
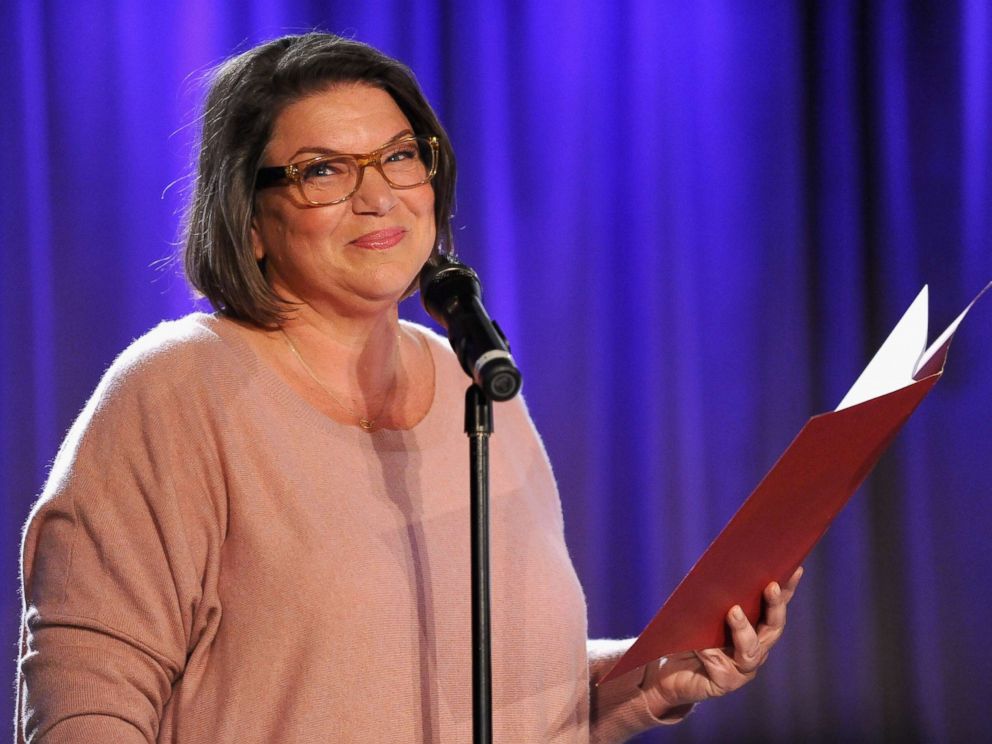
(689, 678)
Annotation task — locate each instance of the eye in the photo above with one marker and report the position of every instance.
(329, 168)
(402, 152)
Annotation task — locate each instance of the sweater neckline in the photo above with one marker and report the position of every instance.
(429, 430)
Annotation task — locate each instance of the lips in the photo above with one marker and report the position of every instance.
(380, 240)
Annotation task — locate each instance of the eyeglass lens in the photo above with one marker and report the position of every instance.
(404, 164)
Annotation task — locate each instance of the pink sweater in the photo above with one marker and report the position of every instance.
(213, 560)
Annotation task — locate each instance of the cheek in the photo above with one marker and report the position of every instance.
(282, 231)
(428, 233)
(425, 214)
(268, 227)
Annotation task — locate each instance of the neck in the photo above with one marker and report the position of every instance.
(359, 362)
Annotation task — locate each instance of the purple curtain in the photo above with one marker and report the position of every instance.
(696, 222)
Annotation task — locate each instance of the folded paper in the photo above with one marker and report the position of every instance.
(792, 507)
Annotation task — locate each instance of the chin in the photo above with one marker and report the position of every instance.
(390, 289)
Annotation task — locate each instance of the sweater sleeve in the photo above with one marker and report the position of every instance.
(114, 557)
(618, 708)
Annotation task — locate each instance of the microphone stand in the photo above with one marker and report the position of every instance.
(478, 427)
(452, 295)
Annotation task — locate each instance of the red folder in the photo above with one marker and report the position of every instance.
(792, 507)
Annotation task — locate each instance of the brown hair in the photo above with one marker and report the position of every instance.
(247, 93)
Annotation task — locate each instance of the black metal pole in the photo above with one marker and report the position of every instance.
(478, 427)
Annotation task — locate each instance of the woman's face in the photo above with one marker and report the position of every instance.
(357, 256)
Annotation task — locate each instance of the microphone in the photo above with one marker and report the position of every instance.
(452, 295)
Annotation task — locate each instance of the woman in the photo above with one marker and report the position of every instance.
(256, 531)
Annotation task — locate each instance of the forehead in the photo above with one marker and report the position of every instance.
(348, 117)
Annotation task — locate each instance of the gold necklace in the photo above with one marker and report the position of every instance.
(366, 424)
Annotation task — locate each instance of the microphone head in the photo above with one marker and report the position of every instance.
(452, 295)
(443, 283)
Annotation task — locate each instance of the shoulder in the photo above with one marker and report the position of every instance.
(156, 393)
(511, 416)
(196, 355)
(447, 369)
(194, 343)
(158, 374)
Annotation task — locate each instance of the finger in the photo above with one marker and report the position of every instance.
(790, 586)
(784, 593)
(748, 651)
(722, 671)
(680, 657)
(793, 582)
(776, 601)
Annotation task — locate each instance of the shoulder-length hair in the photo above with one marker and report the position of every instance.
(246, 95)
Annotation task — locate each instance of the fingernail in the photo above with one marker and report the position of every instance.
(776, 590)
(737, 613)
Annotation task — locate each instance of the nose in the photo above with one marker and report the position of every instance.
(374, 195)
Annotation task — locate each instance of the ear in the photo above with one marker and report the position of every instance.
(256, 239)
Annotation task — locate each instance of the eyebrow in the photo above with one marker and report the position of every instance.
(317, 150)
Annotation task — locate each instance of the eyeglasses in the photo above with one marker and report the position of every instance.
(332, 179)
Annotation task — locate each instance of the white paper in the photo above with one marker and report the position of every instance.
(897, 360)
